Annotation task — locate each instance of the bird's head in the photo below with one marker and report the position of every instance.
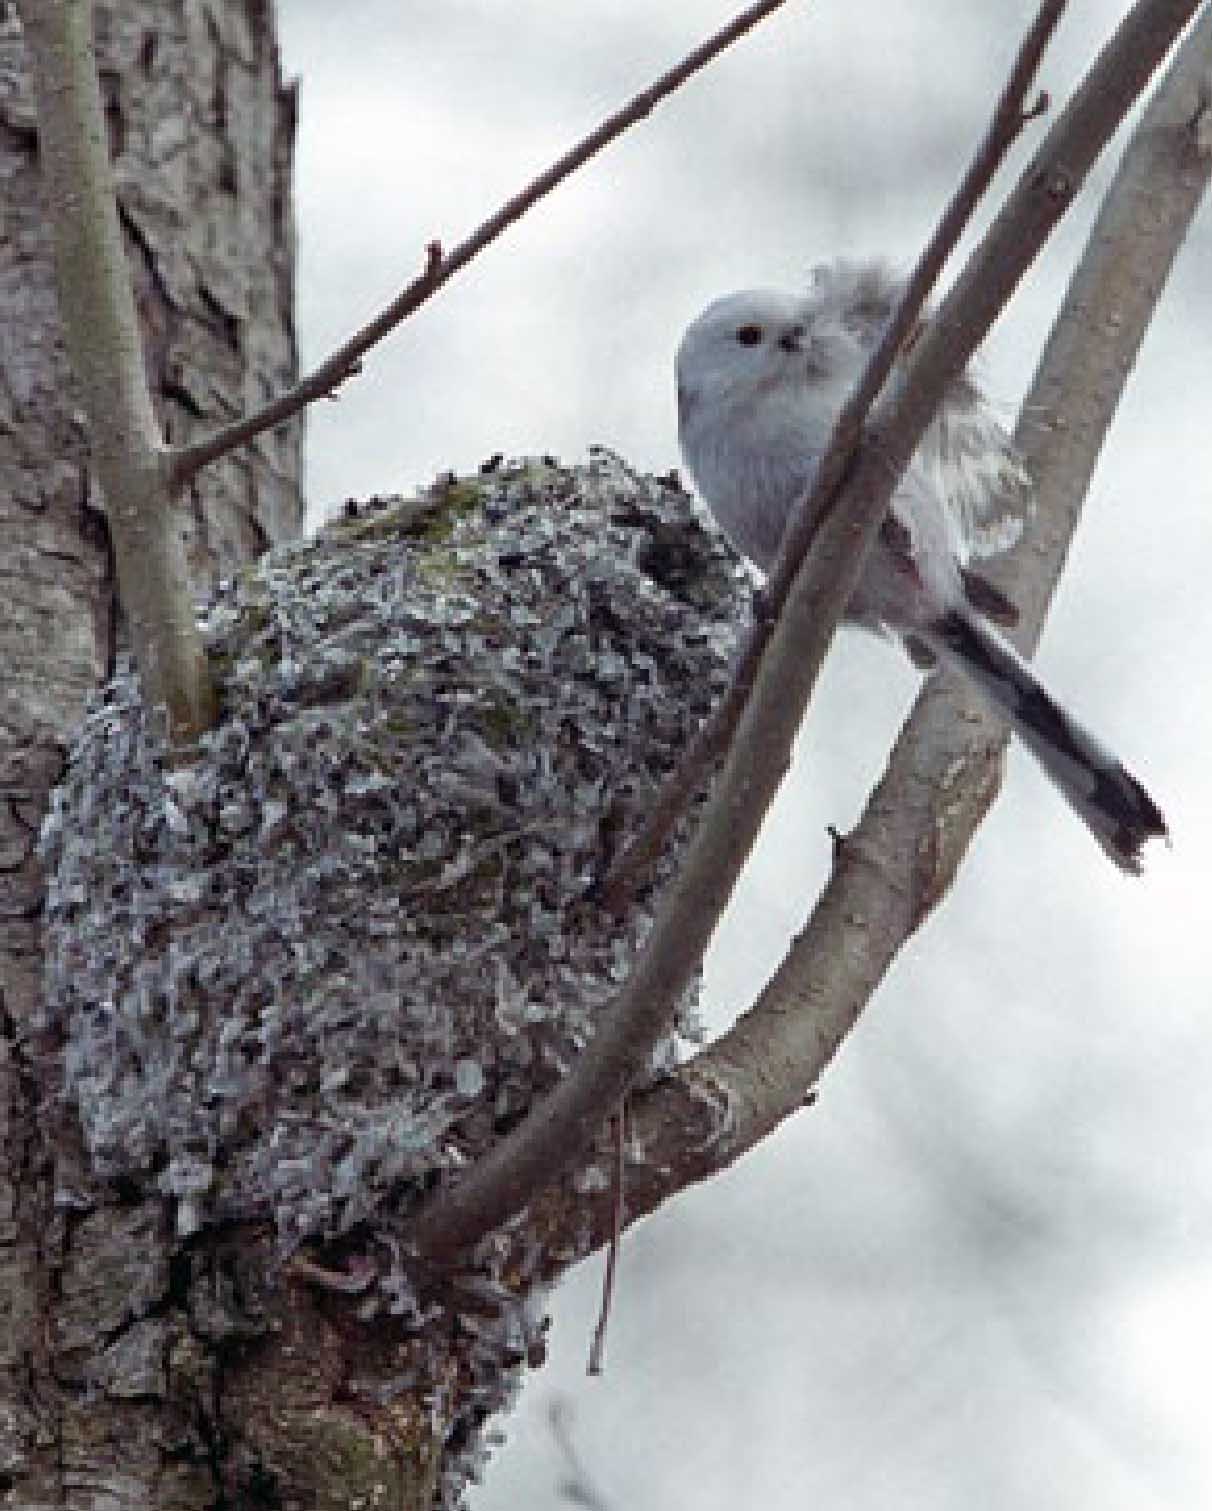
(757, 344)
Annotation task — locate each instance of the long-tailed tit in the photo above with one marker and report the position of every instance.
(761, 377)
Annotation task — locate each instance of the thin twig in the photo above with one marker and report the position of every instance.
(554, 1133)
(1009, 118)
(439, 268)
(597, 1350)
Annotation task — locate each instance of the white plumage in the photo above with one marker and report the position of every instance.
(761, 377)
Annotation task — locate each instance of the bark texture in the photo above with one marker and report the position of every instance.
(200, 130)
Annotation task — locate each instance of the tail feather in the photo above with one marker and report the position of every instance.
(1110, 801)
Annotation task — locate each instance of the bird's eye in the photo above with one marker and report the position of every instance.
(749, 335)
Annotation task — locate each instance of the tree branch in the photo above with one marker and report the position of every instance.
(440, 268)
(944, 771)
(692, 772)
(555, 1131)
(1160, 183)
(102, 334)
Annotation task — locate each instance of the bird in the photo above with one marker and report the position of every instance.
(761, 377)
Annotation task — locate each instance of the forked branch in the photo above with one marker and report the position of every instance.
(692, 772)
(550, 1139)
(945, 770)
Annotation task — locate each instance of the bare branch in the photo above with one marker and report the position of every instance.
(102, 333)
(1009, 117)
(1159, 185)
(597, 1349)
(945, 769)
(555, 1131)
(440, 269)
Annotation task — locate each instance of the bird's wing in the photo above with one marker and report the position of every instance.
(966, 448)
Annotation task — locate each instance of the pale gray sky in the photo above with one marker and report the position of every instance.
(977, 1271)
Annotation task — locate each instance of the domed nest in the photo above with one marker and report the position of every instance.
(317, 970)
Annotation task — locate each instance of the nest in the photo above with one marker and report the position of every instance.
(314, 971)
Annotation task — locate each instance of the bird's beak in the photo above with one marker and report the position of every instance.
(792, 339)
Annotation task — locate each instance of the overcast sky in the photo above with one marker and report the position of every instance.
(978, 1269)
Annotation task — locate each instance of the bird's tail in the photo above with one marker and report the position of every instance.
(1110, 801)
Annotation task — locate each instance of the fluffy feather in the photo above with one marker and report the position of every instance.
(761, 377)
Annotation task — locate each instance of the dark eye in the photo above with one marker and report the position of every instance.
(749, 335)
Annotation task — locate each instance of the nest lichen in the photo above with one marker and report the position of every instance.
(327, 962)
(312, 973)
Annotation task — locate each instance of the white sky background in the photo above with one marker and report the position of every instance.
(978, 1269)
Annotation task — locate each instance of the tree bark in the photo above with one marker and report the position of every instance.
(200, 131)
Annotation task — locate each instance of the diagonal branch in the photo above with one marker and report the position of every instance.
(441, 267)
(102, 333)
(551, 1137)
(945, 769)
(694, 769)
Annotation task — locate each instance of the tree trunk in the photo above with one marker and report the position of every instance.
(201, 135)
